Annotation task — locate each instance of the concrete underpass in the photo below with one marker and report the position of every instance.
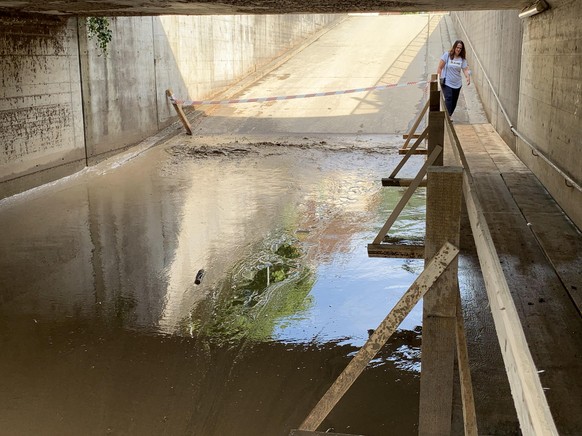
(218, 283)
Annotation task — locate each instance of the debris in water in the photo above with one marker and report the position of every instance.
(199, 276)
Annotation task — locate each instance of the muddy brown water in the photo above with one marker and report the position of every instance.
(103, 329)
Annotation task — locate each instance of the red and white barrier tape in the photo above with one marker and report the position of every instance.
(292, 97)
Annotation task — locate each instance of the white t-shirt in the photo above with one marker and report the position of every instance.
(452, 70)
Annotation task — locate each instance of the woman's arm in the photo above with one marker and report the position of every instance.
(440, 67)
(467, 74)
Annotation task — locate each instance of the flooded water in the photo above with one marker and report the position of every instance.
(105, 330)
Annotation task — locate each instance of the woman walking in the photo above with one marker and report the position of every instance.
(449, 70)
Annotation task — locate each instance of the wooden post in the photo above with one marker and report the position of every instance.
(435, 94)
(436, 134)
(443, 212)
(179, 111)
(436, 120)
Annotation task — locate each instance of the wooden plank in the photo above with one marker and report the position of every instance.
(469, 414)
(528, 396)
(494, 403)
(415, 125)
(556, 234)
(404, 199)
(538, 288)
(420, 151)
(436, 133)
(180, 112)
(317, 433)
(433, 270)
(502, 157)
(401, 182)
(408, 153)
(494, 195)
(544, 309)
(443, 217)
(400, 251)
(546, 314)
(413, 136)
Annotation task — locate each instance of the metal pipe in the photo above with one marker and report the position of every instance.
(572, 183)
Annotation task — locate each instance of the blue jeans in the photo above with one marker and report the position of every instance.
(451, 98)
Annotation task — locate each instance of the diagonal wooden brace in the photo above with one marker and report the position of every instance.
(415, 126)
(415, 184)
(437, 265)
(409, 153)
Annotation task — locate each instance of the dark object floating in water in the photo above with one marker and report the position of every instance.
(199, 276)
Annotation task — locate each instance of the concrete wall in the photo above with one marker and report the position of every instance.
(541, 90)
(199, 56)
(195, 56)
(550, 106)
(64, 105)
(494, 48)
(41, 124)
(119, 88)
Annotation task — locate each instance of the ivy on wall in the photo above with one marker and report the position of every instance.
(98, 29)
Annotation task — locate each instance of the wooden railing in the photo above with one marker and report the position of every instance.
(526, 389)
(443, 329)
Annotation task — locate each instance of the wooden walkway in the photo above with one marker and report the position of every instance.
(529, 313)
(541, 255)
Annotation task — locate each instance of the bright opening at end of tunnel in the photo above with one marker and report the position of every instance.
(375, 59)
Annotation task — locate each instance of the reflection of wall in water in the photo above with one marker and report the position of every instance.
(45, 257)
(226, 209)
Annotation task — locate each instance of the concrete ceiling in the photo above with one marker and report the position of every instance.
(235, 7)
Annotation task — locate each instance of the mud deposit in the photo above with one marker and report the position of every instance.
(104, 330)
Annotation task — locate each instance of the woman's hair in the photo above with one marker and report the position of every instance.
(452, 51)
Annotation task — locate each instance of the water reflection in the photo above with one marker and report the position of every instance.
(99, 308)
(324, 212)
